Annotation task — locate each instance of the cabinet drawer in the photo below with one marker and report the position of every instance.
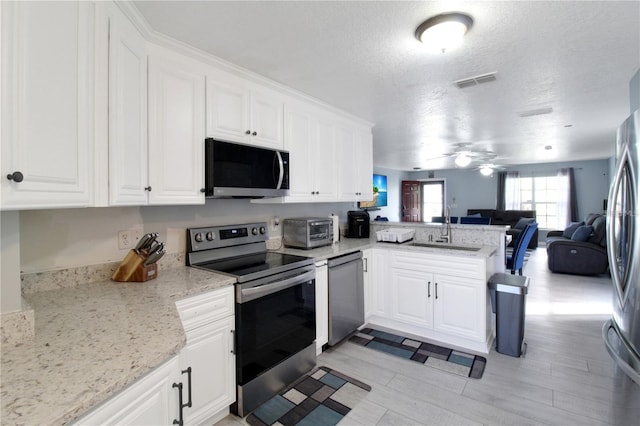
(205, 308)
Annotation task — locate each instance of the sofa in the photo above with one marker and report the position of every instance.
(512, 218)
(579, 249)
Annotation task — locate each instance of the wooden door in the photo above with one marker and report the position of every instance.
(411, 201)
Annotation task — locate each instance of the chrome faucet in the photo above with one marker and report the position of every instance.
(445, 236)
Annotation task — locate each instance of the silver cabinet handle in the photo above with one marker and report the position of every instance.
(428, 289)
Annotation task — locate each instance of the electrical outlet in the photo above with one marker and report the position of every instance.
(129, 239)
(275, 222)
(125, 240)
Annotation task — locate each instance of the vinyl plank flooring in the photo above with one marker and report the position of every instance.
(471, 409)
(566, 377)
(416, 408)
(365, 413)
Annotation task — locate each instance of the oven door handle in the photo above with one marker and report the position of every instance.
(247, 294)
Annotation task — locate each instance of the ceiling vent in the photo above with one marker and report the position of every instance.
(474, 81)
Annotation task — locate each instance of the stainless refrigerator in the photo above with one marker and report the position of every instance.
(622, 332)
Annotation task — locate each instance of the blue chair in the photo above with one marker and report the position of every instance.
(515, 261)
(474, 220)
(442, 219)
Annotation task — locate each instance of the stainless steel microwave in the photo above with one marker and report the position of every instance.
(307, 232)
(234, 170)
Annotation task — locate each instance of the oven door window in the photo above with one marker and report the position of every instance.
(272, 328)
(318, 232)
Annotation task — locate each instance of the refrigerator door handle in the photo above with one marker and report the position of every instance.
(621, 182)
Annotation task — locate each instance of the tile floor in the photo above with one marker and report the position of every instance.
(565, 378)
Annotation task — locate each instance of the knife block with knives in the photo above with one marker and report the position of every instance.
(139, 265)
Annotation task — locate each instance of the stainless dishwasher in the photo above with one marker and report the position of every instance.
(346, 296)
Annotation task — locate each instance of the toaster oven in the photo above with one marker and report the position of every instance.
(307, 232)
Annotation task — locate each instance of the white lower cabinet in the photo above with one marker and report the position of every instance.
(204, 370)
(322, 305)
(152, 400)
(440, 297)
(209, 355)
(209, 324)
(411, 297)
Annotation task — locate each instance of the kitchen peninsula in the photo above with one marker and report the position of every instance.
(94, 339)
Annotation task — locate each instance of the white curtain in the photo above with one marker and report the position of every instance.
(512, 191)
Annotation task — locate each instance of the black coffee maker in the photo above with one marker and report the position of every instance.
(358, 224)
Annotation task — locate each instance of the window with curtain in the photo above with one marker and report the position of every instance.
(552, 197)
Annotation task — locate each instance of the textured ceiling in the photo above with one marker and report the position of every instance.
(575, 57)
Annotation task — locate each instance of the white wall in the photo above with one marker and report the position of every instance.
(394, 179)
(57, 239)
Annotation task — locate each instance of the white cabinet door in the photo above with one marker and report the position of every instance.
(128, 177)
(322, 305)
(176, 130)
(310, 140)
(323, 162)
(355, 163)
(367, 275)
(298, 141)
(47, 95)
(239, 111)
(228, 109)
(380, 283)
(364, 154)
(267, 119)
(209, 353)
(151, 400)
(460, 306)
(412, 297)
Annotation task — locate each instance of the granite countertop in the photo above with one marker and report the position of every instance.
(92, 340)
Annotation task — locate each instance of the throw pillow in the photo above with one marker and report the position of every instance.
(582, 233)
(474, 215)
(569, 230)
(524, 221)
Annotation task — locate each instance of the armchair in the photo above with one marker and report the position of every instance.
(580, 249)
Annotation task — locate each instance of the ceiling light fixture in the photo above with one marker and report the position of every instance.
(486, 170)
(462, 160)
(444, 31)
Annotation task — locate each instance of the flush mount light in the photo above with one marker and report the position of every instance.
(462, 160)
(444, 31)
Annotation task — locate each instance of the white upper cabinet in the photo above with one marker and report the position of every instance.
(176, 130)
(355, 162)
(310, 140)
(241, 111)
(128, 174)
(156, 121)
(47, 96)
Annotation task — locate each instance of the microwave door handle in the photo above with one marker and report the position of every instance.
(281, 167)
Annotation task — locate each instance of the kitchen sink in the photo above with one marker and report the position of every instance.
(445, 246)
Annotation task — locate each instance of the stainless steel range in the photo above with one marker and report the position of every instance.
(275, 307)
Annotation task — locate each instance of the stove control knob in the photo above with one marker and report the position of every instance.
(254, 231)
(262, 230)
(211, 236)
(198, 237)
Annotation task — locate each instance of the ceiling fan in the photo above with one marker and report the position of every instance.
(464, 155)
(486, 169)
